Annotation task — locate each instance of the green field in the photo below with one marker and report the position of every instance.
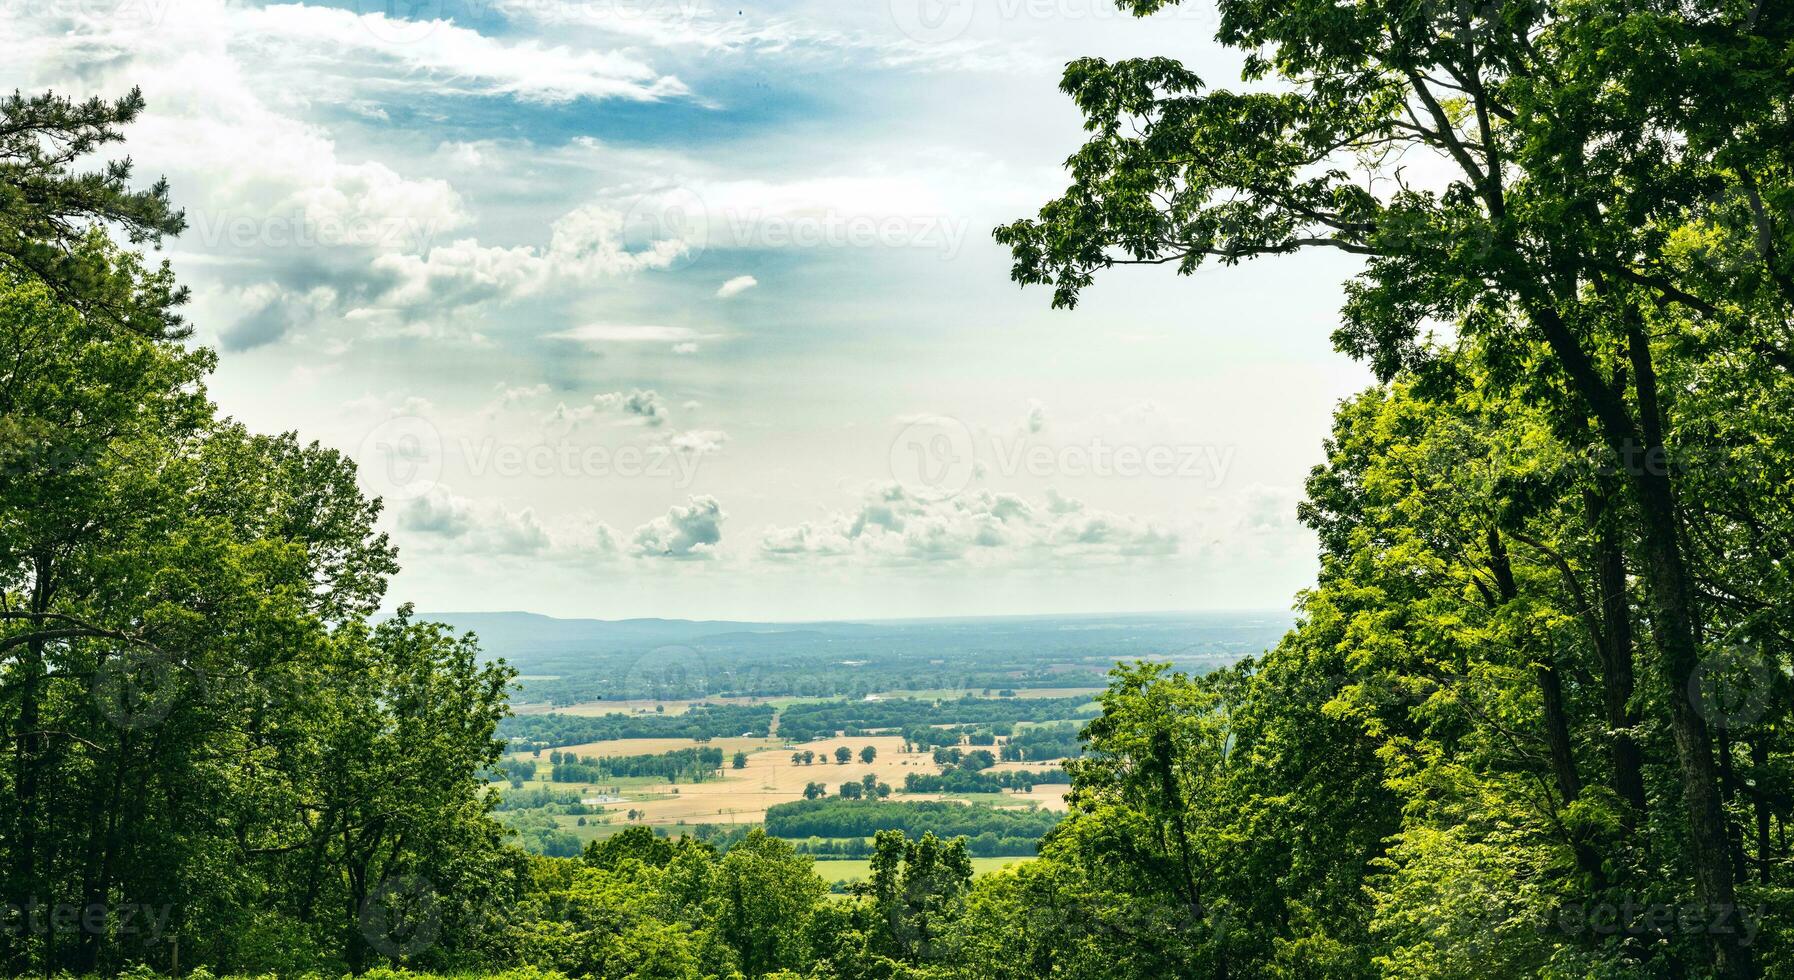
(833, 870)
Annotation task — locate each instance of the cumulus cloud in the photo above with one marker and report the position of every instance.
(444, 55)
(697, 442)
(506, 396)
(891, 525)
(1037, 417)
(1270, 510)
(736, 286)
(640, 406)
(437, 513)
(265, 184)
(692, 531)
(270, 311)
(476, 527)
(584, 244)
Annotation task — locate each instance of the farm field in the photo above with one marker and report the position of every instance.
(740, 796)
(834, 870)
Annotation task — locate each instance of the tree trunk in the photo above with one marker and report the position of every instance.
(1759, 766)
(26, 747)
(1670, 594)
(1557, 716)
(1616, 653)
(1679, 659)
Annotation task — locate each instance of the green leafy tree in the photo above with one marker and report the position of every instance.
(50, 213)
(917, 888)
(197, 715)
(765, 894)
(1616, 176)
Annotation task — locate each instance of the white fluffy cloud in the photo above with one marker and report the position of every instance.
(505, 396)
(697, 442)
(641, 406)
(736, 286)
(893, 525)
(442, 54)
(692, 531)
(477, 527)
(646, 406)
(268, 188)
(585, 244)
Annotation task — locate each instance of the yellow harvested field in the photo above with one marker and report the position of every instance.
(742, 795)
(1048, 798)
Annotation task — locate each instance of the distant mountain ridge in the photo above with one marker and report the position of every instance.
(508, 634)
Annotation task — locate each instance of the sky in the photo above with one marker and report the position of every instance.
(684, 309)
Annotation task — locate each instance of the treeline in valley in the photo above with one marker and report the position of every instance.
(690, 765)
(820, 719)
(700, 721)
(864, 818)
(956, 780)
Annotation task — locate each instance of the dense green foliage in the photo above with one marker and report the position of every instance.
(1533, 720)
(864, 818)
(958, 780)
(691, 765)
(48, 214)
(530, 799)
(199, 719)
(1041, 742)
(539, 833)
